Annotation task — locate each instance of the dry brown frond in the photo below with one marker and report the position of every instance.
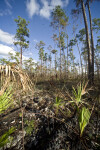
(24, 79)
(5, 85)
(84, 91)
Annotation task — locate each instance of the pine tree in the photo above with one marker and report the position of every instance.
(22, 33)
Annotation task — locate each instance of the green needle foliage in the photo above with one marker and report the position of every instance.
(22, 33)
(84, 117)
(4, 139)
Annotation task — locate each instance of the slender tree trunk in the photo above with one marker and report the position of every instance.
(41, 67)
(98, 71)
(92, 42)
(64, 63)
(85, 71)
(55, 63)
(98, 68)
(73, 64)
(50, 68)
(60, 54)
(23, 125)
(67, 59)
(50, 64)
(21, 58)
(80, 59)
(79, 53)
(79, 70)
(86, 66)
(88, 44)
(45, 68)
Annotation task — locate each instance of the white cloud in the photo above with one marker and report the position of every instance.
(46, 9)
(5, 37)
(32, 7)
(66, 2)
(25, 57)
(5, 12)
(48, 6)
(5, 50)
(8, 4)
(62, 3)
(35, 40)
(56, 2)
(1, 13)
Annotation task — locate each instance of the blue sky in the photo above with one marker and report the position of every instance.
(38, 13)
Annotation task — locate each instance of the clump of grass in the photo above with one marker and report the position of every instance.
(83, 113)
(59, 102)
(78, 102)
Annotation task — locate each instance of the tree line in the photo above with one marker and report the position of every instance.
(65, 64)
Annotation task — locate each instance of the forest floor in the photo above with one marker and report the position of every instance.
(46, 127)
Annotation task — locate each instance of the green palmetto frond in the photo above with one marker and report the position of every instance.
(4, 139)
(84, 117)
(78, 93)
(6, 100)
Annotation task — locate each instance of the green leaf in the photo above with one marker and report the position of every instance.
(84, 117)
